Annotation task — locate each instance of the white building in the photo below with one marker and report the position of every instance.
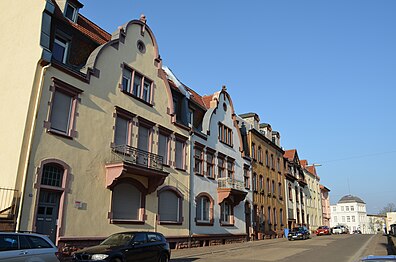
(377, 224)
(350, 211)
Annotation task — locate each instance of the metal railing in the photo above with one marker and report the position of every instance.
(136, 156)
(8, 200)
(228, 182)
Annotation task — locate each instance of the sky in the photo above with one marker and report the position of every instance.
(322, 73)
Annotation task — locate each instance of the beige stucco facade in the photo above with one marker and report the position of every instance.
(314, 201)
(86, 194)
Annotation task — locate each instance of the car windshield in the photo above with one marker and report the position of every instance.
(297, 229)
(120, 239)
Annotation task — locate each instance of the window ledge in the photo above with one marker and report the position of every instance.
(122, 221)
(137, 98)
(204, 223)
(180, 169)
(178, 223)
(226, 224)
(211, 178)
(58, 133)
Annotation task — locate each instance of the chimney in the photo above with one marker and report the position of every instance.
(251, 118)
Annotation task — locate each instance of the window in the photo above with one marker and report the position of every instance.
(352, 208)
(272, 162)
(246, 177)
(52, 175)
(353, 218)
(335, 219)
(203, 212)
(141, 85)
(268, 186)
(260, 155)
(266, 158)
(63, 108)
(60, 49)
(198, 160)
(209, 164)
(169, 206)
(121, 134)
(163, 147)
(274, 214)
(342, 208)
(343, 218)
(71, 12)
(280, 189)
(348, 219)
(290, 193)
(261, 183)
(254, 182)
(179, 155)
(347, 208)
(334, 209)
(230, 168)
(278, 165)
(220, 167)
(269, 216)
(126, 202)
(144, 138)
(273, 187)
(281, 216)
(226, 216)
(225, 134)
(254, 151)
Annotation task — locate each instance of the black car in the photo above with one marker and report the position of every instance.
(126, 247)
(299, 233)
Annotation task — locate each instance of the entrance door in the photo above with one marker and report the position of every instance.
(248, 220)
(47, 213)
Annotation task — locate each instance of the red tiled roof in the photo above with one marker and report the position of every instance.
(85, 26)
(196, 97)
(206, 100)
(289, 154)
(303, 163)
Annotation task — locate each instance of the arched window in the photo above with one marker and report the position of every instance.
(266, 158)
(260, 154)
(204, 209)
(261, 183)
(126, 202)
(169, 205)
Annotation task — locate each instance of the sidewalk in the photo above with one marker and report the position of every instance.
(192, 252)
(380, 245)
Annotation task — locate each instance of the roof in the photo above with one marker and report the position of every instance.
(289, 154)
(350, 199)
(246, 115)
(324, 188)
(206, 100)
(85, 26)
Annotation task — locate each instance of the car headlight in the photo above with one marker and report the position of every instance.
(299, 234)
(99, 256)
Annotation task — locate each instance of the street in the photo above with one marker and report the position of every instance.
(348, 248)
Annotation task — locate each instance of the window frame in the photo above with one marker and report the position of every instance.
(199, 160)
(221, 168)
(200, 222)
(75, 12)
(74, 93)
(210, 164)
(230, 218)
(130, 90)
(180, 198)
(225, 134)
(64, 43)
(182, 165)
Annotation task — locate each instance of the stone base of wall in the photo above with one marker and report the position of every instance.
(7, 225)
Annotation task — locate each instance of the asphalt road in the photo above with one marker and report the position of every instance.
(340, 248)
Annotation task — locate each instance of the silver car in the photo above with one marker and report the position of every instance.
(24, 247)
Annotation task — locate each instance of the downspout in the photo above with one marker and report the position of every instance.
(29, 144)
(190, 191)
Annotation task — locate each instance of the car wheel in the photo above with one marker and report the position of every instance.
(163, 258)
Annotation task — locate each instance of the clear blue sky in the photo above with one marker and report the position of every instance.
(322, 73)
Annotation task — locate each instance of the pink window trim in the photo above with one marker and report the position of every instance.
(180, 198)
(142, 209)
(60, 86)
(65, 188)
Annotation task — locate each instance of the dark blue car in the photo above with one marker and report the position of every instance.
(299, 233)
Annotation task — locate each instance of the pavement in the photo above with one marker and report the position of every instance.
(379, 245)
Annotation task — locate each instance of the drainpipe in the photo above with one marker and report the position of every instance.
(191, 192)
(29, 143)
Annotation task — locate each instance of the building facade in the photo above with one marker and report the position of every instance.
(313, 196)
(295, 187)
(325, 197)
(350, 211)
(269, 218)
(106, 126)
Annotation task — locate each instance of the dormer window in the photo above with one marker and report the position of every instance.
(60, 49)
(71, 12)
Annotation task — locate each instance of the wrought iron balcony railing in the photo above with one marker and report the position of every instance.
(228, 182)
(136, 156)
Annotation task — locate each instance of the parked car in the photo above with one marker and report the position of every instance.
(126, 247)
(299, 233)
(337, 230)
(26, 247)
(323, 230)
(389, 258)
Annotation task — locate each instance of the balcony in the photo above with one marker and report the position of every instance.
(127, 161)
(231, 189)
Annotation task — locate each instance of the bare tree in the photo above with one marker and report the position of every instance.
(390, 207)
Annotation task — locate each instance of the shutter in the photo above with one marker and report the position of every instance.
(169, 206)
(121, 131)
(60, 114)
(126, 202)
